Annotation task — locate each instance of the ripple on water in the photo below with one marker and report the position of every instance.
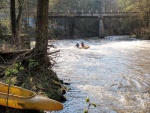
(114, 73)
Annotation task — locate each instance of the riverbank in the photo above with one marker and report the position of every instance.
(20, 70)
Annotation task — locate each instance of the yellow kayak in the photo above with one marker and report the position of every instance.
(21, 98)
(85, 47)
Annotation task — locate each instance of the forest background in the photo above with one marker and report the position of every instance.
(72, 27)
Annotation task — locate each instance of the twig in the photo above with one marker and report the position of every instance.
(3, 59)
(54, 52)
(3, 67)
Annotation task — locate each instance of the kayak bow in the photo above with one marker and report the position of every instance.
(85, 47)
(21, 98)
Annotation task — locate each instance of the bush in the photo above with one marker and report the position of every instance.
(142, 33)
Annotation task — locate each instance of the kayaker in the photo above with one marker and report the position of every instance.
(82, 44)
(77, 45)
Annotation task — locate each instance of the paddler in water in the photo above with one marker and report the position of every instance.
(77, 45)
(82, 44)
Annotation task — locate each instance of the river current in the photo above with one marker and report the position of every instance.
(114, 73)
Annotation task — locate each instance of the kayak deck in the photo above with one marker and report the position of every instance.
(21, 98)
(85, 47)
(16, 91)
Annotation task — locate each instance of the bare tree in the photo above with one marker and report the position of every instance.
(13, 18)
(42, 31)
(15, 22)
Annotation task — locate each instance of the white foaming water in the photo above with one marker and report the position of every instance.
(114, 73)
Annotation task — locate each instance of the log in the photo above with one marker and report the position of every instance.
(3, 67)
(52, 52)
(14, 52)
(9, 55)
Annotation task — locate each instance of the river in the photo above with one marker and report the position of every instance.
(114, 73)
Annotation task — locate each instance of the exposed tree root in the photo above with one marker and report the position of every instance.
(34, 75)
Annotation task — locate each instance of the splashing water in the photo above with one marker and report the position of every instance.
(114, 73)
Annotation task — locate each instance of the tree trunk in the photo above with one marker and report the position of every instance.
(42, 30)
(20, 2)
(1, 33)
(13, 19)
(15, 28)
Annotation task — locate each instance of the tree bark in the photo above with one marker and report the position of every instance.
(15, 28)
(20, 2)
(42, 30)
(13, 19)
